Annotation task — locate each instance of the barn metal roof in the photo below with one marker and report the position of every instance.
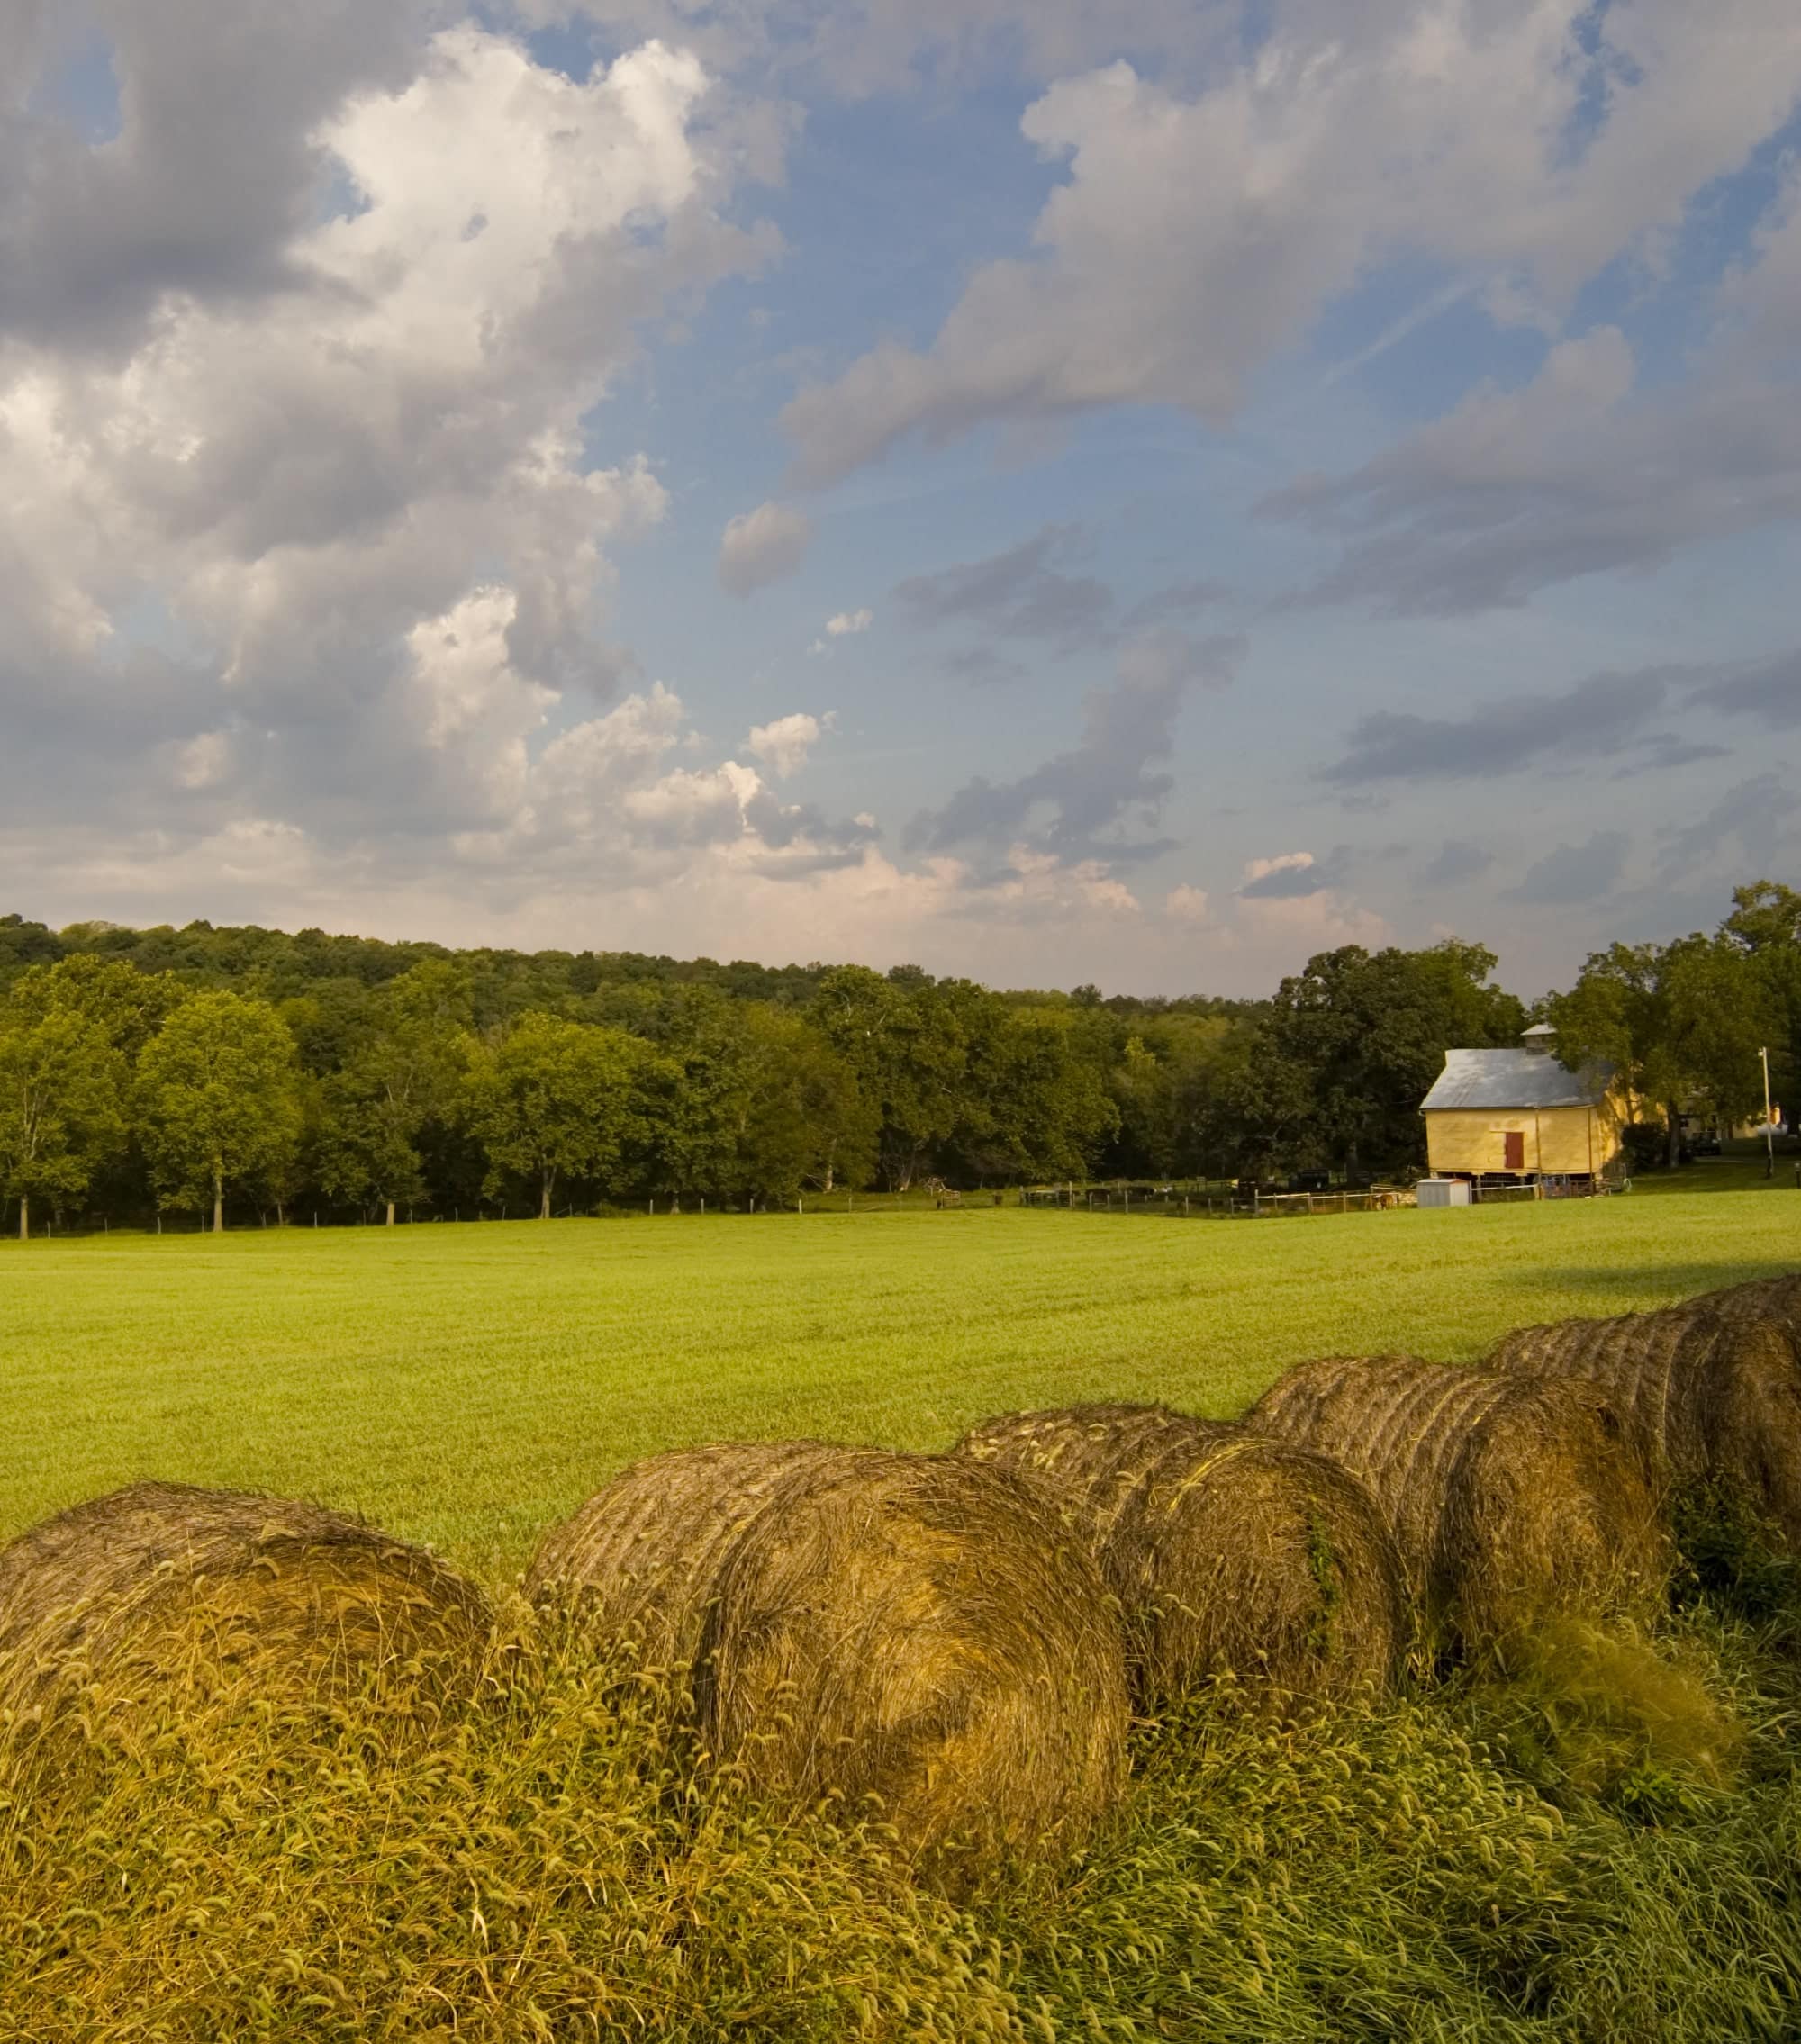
(1513, 1079)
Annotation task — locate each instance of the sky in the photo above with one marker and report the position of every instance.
(1136, 493)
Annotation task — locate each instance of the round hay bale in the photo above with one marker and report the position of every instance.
(161, 1582)
(1711, 1389)
(1227, 1550)
(908, 1635)
(1777, 1300)
(1513, 1499)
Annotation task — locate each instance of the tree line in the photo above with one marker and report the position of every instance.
(183, 1069)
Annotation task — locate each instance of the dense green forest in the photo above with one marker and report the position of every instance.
(206, 1070)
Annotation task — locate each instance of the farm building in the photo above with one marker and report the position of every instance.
(1522, 1115)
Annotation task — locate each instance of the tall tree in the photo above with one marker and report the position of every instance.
(402, 1075)
(556, 1100)
(800, 1119)
(1681, 1023)
(217, 1099)
(1349, 1048)
(1765, 925)
(59, 1104)
(1033, 1106)
(905, 1037)
(128, 1006)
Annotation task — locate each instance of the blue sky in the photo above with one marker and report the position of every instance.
(1139, 493)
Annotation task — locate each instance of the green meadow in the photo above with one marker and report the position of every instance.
(467, 1384)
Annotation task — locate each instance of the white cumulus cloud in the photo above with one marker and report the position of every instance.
(785, 744)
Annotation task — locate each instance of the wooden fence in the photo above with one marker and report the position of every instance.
(1218, 1203)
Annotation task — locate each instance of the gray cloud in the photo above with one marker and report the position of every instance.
(1180, 600)
(1665, 750)
(1025, 592)
(1756, 821)
(1292, 880)
(1020, 593)
(1575, 873)
(1076, 805)
(981, 665)
(215, 169)
(1517, 492)
(1598, 716)
(1768, 690)
(1457, 860)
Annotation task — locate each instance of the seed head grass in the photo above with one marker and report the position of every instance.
(552, 1865)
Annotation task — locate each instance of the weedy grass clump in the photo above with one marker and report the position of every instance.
(1514, 1500)
(1711, 1389)
(162, 1586)
(911, 1638)
(1588, 1714)
(549, 1866)
(1229, 1551)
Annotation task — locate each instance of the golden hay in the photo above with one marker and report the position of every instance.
(1712, 1388)
(1227, 1550)
(914, 1637)
(160, 1582)
(1513, 1499)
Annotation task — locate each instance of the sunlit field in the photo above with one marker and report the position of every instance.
(465, 1385)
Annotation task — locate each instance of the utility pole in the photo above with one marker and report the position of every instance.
(1768, 1126)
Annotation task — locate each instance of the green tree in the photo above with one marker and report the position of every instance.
(60, 1105)
(800, 1119)
(126, 1005)
(402, 1075)
(1721, 1014)
(1765, 925)
(1616, 1015)
(1680, 1023)
(707, 1045)
(1349, 1047)
(556, 1100)
(218, 1099)
(1033, 1106)
(906, 1038)
(1176, 1082)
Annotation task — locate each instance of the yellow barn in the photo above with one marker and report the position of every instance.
(1519, 1114)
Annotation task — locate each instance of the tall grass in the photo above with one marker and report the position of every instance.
(550, 1868)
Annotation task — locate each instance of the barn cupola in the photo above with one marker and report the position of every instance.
(1542, 1037)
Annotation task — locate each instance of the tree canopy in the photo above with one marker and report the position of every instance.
(218, 1099)
(164, 1068)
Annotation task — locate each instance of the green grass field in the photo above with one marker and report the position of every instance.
(467, 1385)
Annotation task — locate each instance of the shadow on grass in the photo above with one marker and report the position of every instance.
(1608, 1286)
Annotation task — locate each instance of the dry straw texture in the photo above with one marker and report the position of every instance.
(1227, 1550)
(1711, 1389)
(159, 1583)
(906, 1636)
(1513, 1499)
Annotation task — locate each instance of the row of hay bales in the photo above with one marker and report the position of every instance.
(957, 1642)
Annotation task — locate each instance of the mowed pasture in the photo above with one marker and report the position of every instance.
(467, 1384)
